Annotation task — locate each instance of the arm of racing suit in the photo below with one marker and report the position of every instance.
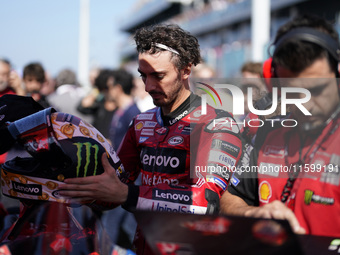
(242, 188)
(244, 183)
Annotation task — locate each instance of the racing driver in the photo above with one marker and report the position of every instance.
(167, 144)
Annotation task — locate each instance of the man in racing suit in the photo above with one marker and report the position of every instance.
(184, 156)
(165, 150)
(298, 173)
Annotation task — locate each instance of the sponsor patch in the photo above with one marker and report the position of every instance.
(177, 118)
(221, 158)
(226, 147)
(310, 197)
(148, 132)
(222, 171)
(150, 124)
(166, 206)
(334, 245)
(234, 180)
(155, 180)
(178, 208)
(187, 130)
(274, 151)
(139, 125)
(180, 127)
(217, 181)
(184, 129)
(177, 196)
(142, 139)
(145, 116)
(163, 160)
(265, 191)
(31, 189)
(161, 131)
(176, 140)
(331, 175)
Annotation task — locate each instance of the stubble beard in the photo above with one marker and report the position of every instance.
(171, 98)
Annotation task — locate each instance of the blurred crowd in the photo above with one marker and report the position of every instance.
(113, 99)
(115, 96)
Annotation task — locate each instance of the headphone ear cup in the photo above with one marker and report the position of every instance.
(267, 72)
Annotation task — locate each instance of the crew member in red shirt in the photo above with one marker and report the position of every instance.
(298, 174)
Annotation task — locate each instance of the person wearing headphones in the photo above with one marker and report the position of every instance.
(297, 173)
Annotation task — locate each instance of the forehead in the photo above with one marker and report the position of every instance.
(157, 62)
(317, 73)
(318, 69)
(4, 66)
(30, 77)
(306, 83)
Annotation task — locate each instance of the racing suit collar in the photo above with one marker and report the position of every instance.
(181, 111)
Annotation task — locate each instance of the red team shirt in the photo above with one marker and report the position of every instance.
(315, 195)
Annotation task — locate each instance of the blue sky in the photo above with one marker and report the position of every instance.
(47, 31)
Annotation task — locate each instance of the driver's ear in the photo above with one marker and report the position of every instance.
(186, 71)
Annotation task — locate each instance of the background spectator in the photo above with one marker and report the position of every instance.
(68, 94)
(34, 78)
(10, 81)
(98, 102)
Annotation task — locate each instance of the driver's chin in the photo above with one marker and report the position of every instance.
(160, 103)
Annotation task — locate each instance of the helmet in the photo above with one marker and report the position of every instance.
(62, 146)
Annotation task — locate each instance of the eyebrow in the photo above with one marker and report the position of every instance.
(318, 86)
(153, 73)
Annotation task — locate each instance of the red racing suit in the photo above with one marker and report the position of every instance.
(184, 158)
(314, 196)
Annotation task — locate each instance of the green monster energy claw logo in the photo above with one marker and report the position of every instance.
(308, 196)
(334, 245)
(88, 148)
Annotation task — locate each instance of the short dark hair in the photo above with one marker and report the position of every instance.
(295, 54)
(101, 81)
(252, 67)
(124, 79)
(173, 37)
(35, 70)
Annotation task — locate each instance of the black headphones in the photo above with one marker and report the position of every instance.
(317, 37)
(311, 35)
(306, 34)
(314, 36)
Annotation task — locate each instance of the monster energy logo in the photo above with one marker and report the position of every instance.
(311, 197)
(88, 148)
